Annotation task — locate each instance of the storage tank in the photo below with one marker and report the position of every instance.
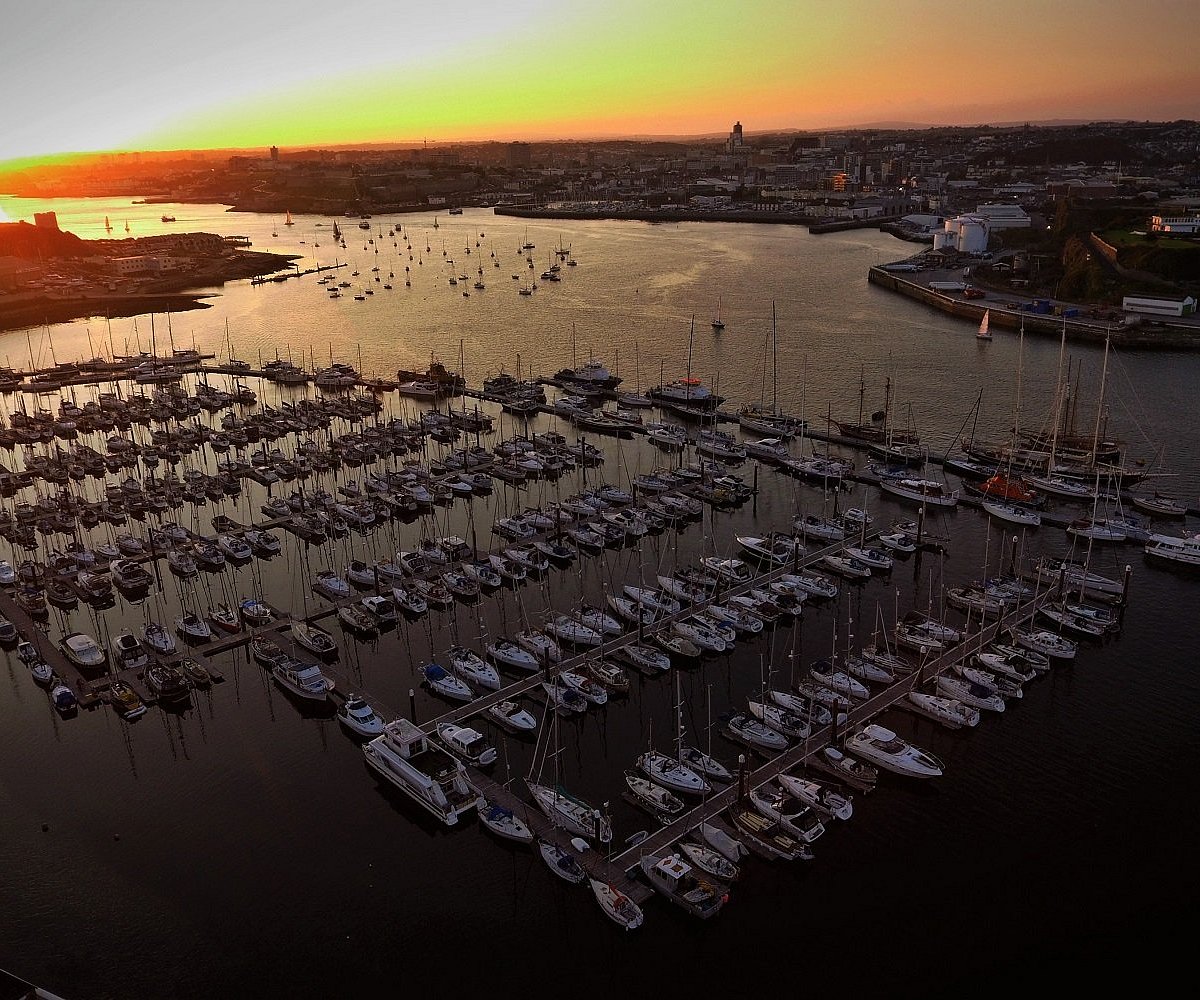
(972, 237)
(943, 240)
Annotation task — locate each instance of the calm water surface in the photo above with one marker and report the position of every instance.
(240, 846)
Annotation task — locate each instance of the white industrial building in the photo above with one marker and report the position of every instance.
(1156, 305)
(1003, 216)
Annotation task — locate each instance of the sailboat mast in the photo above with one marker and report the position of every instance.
(1100, 401)
(774, 365)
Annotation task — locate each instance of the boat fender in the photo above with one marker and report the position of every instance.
(580, 844)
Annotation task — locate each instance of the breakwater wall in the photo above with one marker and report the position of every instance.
(1144, 336)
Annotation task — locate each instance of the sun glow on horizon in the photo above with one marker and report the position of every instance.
(98, 77)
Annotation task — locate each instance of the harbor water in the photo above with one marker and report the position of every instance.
(238, 845)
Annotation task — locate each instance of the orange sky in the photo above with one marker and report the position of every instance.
(114, 75)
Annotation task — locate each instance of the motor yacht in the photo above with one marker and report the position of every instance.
(407, 759)
(885, 749)
(82, 650)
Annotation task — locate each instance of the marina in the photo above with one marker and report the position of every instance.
(326, 458)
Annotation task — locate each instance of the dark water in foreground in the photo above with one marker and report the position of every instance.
(241, 848)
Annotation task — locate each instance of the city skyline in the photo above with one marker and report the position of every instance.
(100, 77)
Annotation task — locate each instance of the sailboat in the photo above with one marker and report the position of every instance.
(126, 225)
(107, 225)
(984, 332)
(288, 220)
(717, 322)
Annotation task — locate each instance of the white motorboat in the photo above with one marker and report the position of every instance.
(813, 584)
(705, 638)
(825, 673)
(826, 529)
(356, 714)
(468, 745)
(733, 570)
(509, 654)
(510, 715)
(442, 682)
(263, 542)
(846, 565)
(618, 907)
(885, 749)
(504, 823)
(234, 547)
(710, 860)
(160, 641)
(181, 562)
(1173, 549)
(193, 628)
(584, 686)
(797, 818)
(540, 645)
(360, 573)
(382, 608)
(409, 600)
(826, 800)
(563, 698)
(567, 629)
(82, 650)
(756, 734)
(975, 601)
(781, 719)
(658, 800)
(632, 611)
(1046, 643)
(877, 559)
(897, 541)
(570, 812)
(473, 668)
(314, 638)
(854, 772)
(777, 548)
(255, 612)
(302, 679)
(809, 709)
(658, 601)
(330, 585)
(950, 712)
(868, 670)
(923, 491)
(405, 757)
(645, 658)
(672, 774)
(1012, 513)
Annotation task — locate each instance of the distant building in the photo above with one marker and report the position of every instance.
(1003, 216)
(45, 220)
(144, 263)
(519, 154)
(1156, 305)
(1175, 225)
(736, 144)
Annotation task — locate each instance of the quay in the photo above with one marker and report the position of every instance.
(1167, 337)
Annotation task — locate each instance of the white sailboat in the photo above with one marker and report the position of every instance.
(985, 332)
(717, 322)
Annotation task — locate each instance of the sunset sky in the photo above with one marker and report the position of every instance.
(81, 75)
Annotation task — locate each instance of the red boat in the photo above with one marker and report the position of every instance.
(1002, 487)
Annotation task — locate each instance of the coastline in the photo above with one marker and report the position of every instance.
(1142, 337)
(177, 294)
